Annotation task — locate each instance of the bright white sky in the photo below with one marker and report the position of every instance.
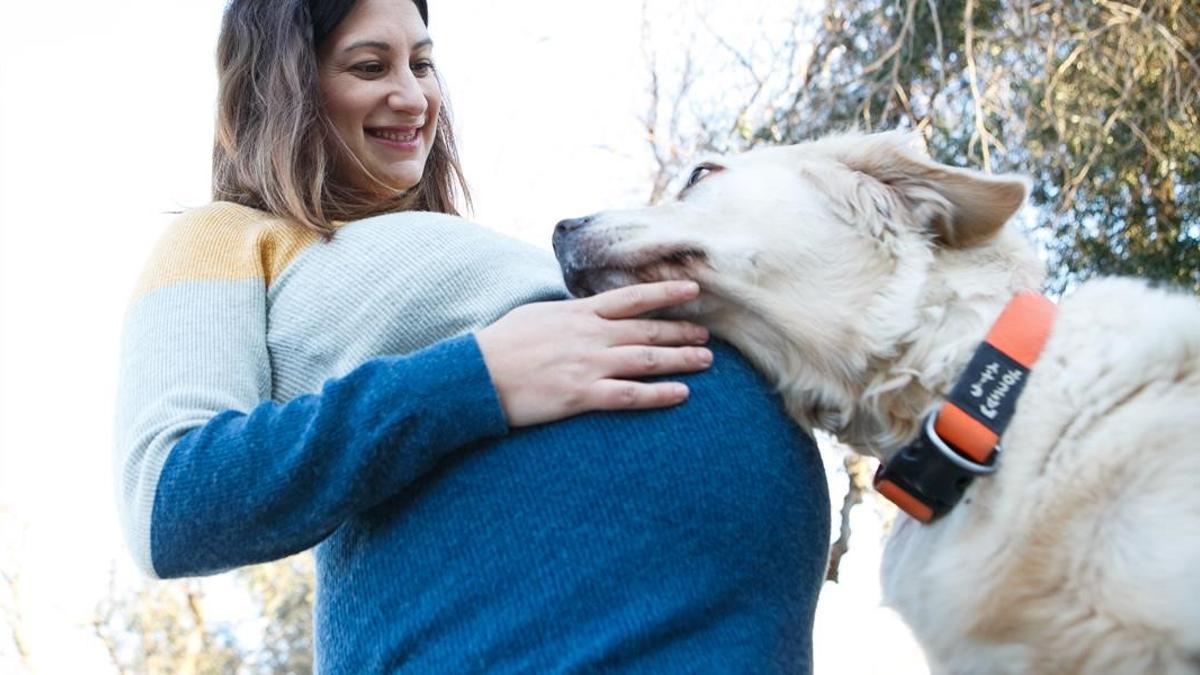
(106, 124)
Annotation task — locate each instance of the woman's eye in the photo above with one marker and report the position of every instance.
(697, 174)
(423, 67)
(369, 68)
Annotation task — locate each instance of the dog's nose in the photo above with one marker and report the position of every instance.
(571, 224)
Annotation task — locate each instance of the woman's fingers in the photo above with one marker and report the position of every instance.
(626, 395)
(553, 360)
(631, 301)
(640, 361)
(656, 332)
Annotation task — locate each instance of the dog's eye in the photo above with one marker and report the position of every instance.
(697, 174)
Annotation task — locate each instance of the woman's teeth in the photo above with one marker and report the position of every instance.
(397, 136)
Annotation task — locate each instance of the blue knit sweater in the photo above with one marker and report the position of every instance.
(690, 539)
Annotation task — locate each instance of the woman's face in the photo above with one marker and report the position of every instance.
(381, 93)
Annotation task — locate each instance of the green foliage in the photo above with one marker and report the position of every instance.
(1114, 128)
(1096, 101)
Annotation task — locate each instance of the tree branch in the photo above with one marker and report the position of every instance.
(981, 131)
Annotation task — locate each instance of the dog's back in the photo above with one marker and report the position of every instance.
(1083, 552)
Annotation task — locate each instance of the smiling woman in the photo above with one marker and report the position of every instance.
(493, 477)
(382, 96)
(294, 122)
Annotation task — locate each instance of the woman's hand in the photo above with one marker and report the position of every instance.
(551, 360)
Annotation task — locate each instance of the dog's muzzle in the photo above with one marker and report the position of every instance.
(599, 253)
(572, 251)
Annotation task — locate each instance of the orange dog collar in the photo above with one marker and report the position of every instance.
(961, 439)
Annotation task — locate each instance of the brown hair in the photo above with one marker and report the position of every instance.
(274, 144)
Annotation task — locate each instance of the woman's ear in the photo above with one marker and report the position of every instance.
(961, 207)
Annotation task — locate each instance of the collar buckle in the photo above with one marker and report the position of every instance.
(928, 477)
(956, 457)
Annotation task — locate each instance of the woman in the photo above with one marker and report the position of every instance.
(297, 373)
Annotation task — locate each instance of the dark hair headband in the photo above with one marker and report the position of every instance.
(327, 14)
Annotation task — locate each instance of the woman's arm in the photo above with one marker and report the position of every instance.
(209, 473)
(209, 476)
(249, 487)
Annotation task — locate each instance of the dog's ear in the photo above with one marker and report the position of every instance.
(960, 206)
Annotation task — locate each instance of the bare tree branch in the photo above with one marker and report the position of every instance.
(981, 132)
(1071, 190)
(13, 615)
(894, 50)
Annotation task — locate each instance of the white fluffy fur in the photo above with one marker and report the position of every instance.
(860, 276)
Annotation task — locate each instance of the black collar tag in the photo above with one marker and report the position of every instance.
(989, 388)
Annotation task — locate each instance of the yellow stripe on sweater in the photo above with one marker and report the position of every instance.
(224, 242)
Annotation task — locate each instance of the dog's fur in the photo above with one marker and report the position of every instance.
(860, 276)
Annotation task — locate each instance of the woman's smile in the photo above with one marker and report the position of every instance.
(402, 138)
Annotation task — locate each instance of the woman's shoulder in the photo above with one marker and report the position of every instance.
(233, 223)
(223, 241)
(412, 223)
(428, 232)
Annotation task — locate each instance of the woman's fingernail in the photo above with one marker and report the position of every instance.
(688, 288)
(680, 391)
(706, 357)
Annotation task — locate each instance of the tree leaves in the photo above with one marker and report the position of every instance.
(1098, 102)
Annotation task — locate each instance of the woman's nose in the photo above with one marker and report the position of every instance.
(407, 95)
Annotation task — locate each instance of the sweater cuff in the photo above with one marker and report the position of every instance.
(461, 394)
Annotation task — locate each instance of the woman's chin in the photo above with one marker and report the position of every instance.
(403, 178)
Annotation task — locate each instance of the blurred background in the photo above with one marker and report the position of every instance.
(563, 108)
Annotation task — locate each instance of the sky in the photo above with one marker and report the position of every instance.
(105, 129)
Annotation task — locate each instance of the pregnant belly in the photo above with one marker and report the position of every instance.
(604, 522)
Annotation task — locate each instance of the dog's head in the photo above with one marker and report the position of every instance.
(815, 255)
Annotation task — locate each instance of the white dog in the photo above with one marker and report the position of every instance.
(860, 277)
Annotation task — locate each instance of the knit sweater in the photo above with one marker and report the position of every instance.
(279, 392)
